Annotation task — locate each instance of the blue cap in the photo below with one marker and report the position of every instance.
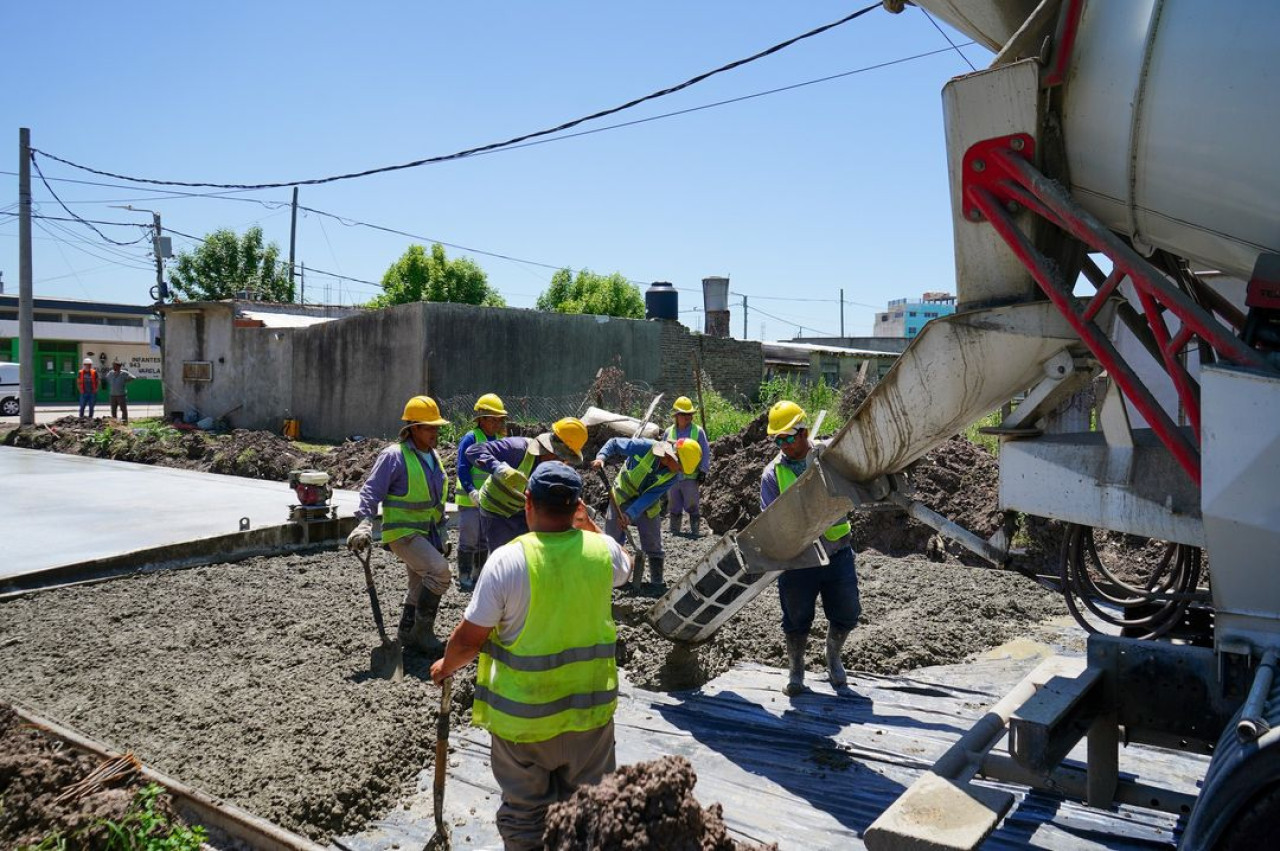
(556, 483)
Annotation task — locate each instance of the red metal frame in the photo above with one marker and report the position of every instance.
(999, 179)
(1065, 43)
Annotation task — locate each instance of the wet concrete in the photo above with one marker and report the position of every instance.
(64, 510)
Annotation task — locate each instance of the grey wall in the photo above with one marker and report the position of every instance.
(353, 375)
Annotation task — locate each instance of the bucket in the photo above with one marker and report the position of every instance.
(292, 429)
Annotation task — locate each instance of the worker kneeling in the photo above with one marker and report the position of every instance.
(408, 479)
(798, 590)
(541, 621)
(648, 471)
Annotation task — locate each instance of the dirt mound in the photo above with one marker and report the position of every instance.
(351, 461)
(36, 773)
(731, 497)
(648, 805)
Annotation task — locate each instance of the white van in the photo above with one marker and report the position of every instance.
(8, 389)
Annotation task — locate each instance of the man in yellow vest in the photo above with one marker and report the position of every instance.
(798, 590)
(408, 479)
(684, 494)
(491, 424)
(541, 621)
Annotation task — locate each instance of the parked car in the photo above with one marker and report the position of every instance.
(8, 389)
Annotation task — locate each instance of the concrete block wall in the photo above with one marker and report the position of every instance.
(734, 367)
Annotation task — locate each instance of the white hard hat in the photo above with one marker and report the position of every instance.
(89, 361)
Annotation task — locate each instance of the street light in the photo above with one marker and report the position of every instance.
(161, 247)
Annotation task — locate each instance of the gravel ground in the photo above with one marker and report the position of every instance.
(249, 680)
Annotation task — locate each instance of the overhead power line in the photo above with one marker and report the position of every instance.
(483, 148)
(84, 222)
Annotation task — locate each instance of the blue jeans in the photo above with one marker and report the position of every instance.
(89, 399)
(496, 531)
(837, 583)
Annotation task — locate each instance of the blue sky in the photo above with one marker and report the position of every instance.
(794, 195)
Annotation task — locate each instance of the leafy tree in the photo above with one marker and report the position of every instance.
(611, 295)
(225, 264)
(418, 276)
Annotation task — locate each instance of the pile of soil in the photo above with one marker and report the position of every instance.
(731, 495)
(36, 772)
(639, 807)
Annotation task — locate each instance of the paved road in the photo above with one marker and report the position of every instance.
(68, 509)
(49, 413)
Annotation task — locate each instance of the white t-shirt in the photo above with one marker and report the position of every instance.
(501, 597)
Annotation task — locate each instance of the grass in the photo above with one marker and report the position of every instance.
(142, 828)
(989, 442)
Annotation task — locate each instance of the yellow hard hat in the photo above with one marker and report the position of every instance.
(785, 417)
(489, 405)
(423, 410)
(683, 405)
(572, 432)
(689, 452)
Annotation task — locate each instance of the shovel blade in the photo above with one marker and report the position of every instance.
(442, 841)
(387, 661)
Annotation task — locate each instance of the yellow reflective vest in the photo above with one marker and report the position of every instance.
(417, 512)
(560, 674)
(786, 479)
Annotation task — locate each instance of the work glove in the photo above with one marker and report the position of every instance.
(701, 476)
(511, 479)
(475, 497)
(361, 537)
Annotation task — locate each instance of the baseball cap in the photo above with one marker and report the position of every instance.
(555, 483)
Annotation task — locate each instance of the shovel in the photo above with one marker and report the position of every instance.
(638, 566)
(387, 661)
(441, 841)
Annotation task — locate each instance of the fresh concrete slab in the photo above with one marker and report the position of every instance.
(64, 510)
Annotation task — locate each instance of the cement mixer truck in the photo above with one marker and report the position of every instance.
(1116, 204)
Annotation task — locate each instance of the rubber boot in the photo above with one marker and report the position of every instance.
(477, 566)
(405, 629)
(466, 566)
(795, 660)
(835, 665)
(423, 635)
(695, 524)
(677, 520)
(655, 571)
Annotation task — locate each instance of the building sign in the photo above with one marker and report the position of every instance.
(137, 359)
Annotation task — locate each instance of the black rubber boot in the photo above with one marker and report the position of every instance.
(423, 636)
(796, 643)
(835, 665)
(655, 571)
(695, 524)
(466, 564)
(407, 615)
(677, 520)
(477, 566)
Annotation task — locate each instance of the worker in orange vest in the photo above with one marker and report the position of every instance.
(87, 381)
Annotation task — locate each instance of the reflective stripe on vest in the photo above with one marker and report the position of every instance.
(560, 673)
(786, 479)
(671, 433)
(478, 476)
(496, 499)
(630, 482)
(417, 511)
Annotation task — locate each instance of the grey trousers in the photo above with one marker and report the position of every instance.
(535, 775)
(649, 529)
(426, 566)
(468, 529)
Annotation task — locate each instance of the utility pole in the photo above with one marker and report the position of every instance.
(26, 301)
(162, 289)
(744, 317)
(842, 315)
(293, 234)
(304, 283)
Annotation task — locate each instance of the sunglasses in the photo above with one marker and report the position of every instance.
(785, 439)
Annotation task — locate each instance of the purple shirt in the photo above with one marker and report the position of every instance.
(506, 450)
(390, 476)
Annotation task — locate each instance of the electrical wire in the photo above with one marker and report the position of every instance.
(72, 214)
(954, 46)
(483, 148)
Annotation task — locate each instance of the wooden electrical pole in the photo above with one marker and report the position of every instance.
(293, 235)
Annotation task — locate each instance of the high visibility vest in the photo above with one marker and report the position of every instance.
(478, 476)
(694, 432)
(560, 674)
(786, 479)
(416, 512)
(88, 381)
(630, 482)
(496, 499)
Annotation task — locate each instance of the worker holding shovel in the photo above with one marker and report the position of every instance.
(648, 471)
(408, 479)
(546, 684)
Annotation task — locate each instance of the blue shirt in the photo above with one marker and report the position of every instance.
(633, 449)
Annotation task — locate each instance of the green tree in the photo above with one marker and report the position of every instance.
(419, 276)
(225, 264)
(611, 295)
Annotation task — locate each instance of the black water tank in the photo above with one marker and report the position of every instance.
(661, 301)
